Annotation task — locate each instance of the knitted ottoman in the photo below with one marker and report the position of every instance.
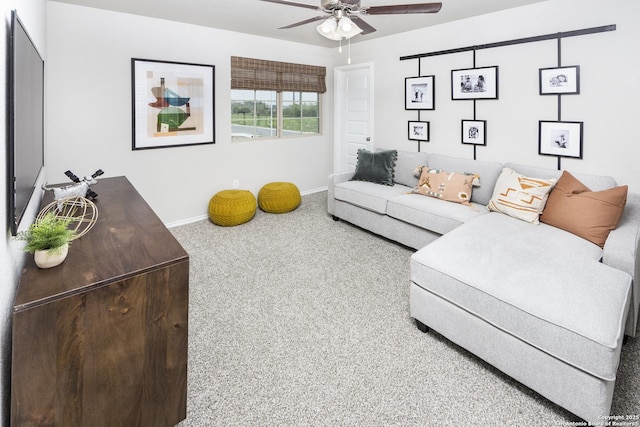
(279, 197)
(232, 207)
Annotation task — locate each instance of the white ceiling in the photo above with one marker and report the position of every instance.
(263, 18)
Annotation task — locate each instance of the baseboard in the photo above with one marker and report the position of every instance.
(186, 221)
(312, 191)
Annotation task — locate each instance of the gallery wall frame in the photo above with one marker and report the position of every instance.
(419, 131)
(560, 80)
(545, 141)
(172, 104)
(474, 83)
(512, 42)
(419, 93)
(474, 132)
(560, 138)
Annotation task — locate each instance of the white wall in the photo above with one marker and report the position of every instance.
(88, 114)
(32, 14)
(607, 103)
(89, 110)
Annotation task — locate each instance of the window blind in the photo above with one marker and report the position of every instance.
(260, 74)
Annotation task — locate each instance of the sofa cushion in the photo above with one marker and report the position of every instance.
(447, 186)
(368, 195)
(538, 283)
(487, 171)
(522, 197)
(375, 167)
(592, 215)
(431, 213)
(406, 162)
(594, 182)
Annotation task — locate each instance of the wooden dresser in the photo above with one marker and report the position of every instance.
(101, 340)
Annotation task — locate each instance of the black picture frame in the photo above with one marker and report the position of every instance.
(559, 80)
(474, 132)
(474, 83)
(419, 93)
(172, 104)
(418, 130)
(560, 139)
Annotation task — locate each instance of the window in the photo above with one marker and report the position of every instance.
(275, 99)
(255, 114)
(300, 113)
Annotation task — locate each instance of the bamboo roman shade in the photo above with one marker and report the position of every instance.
(260, 74)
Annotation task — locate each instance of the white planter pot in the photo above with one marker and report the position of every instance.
(45, 259)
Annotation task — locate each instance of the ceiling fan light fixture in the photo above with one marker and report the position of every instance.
(328, 29)
(347, 29)
(339, 25)
(346, 24)
(328, 26)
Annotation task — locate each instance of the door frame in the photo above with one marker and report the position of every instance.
(340, 74)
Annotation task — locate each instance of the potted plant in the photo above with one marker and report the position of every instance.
(48, 239)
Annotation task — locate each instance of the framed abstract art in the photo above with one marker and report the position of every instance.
(172, 104)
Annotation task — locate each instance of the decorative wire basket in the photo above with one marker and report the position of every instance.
(82, 211)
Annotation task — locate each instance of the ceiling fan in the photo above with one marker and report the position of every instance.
(343, 20)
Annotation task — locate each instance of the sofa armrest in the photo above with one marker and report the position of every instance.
(334, 179)
(622, 251)
(337, 178)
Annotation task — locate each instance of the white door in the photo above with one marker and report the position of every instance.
(353, 111)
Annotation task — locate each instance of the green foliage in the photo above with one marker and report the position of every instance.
(50, 234)
(298, 116)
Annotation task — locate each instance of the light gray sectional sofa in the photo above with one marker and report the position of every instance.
(543, 305)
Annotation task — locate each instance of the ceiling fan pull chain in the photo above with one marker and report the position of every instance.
(349, 58)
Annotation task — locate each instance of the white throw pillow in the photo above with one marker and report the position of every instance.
(520, 196)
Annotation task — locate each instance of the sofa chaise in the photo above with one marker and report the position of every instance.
(548, 307)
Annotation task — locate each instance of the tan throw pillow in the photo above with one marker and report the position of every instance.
(520, 196)
(591, 215)
(449, 186)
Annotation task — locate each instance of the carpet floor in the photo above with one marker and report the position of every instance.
(297, 320)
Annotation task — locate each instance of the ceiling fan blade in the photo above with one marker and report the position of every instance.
(306, 21)
(290, 3)
(403, 8)
(366, 28)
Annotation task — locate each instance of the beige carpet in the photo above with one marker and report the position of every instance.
(297, 320)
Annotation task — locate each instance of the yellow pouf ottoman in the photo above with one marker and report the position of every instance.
(232, 207)
(279, 197)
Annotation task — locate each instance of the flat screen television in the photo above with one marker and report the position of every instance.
(26, 120)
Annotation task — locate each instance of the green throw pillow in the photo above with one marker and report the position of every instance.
(375, 167)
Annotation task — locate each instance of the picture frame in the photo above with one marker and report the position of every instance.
(474, 83)
(419, 93)
(474, 132)
(560, 80)
(560, 139)
(172, 104)
(419, 131)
